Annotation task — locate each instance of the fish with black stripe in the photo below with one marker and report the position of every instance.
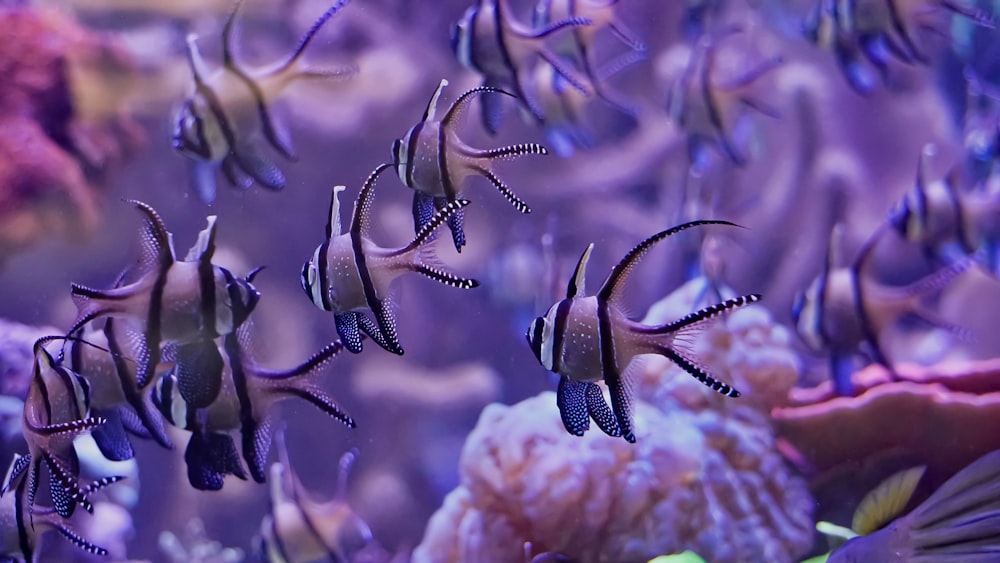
(432, 160)
(578, 42)
(104, 357)
(21, 527)
(219, 125)
(187, 302)
(243, 408)
(298, 528)
(489, 41)
(586, 339)
(946, 223)
(565, 107)
(349, 273)
(708, 110)
(56, 411)
(844, 307)
(878, 30)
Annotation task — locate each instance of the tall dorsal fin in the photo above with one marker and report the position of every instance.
(195, 62)
(431, 112)
(227, 35)
(612, 288)
(156, 245)
(577, 282)
(362, 207)
(204, 247)
(333, 224)
(886, 502)
(458, 105)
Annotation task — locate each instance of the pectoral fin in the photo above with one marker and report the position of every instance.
(111, 438)
(571, 400)
(264, 171)
(347, 329)
(199, 373)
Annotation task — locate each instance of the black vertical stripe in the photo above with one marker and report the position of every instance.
(322, 278)
(20, 511)
(282, 550)
(508, 62)
(207, 305)
(559, 329)
(360, 261)
(67, 380)
(248, 424)
(43, 389)
(412, 142)
(820, 327)
(471, 28)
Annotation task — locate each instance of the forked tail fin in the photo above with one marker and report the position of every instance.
(680, 335)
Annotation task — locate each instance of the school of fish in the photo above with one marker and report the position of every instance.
(169, 341)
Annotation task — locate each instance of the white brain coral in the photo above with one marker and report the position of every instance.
(704, 474)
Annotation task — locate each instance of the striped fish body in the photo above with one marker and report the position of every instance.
(56, 411)
(828, 318)
(488, 44)
(20, 531)
(223, 415)
(432, 160)
(341, 281)
(192, 304)
(576, 42)
(205, 119)
(56, 396)
(243, 405)
(300, 531)
(300, 528)
(349, 274)
(589, 339)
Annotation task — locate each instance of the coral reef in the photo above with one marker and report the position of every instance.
(61, 125)
(886, 423)
(704, 474)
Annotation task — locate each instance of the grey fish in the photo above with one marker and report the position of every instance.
(104, 357)
(946, 223)
(242, 409)
(585, 339)
(56, 410)
(578, 42)
(22, 525)
(489, 41)
(190, 302)
(299, 528)
(706, 108)
(349, 273)
(432, 160)
(219, 124)
(844, 307)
